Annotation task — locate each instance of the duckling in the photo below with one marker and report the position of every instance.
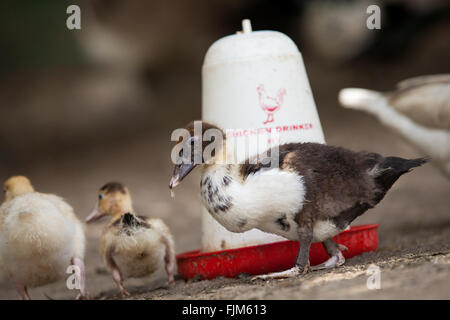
(131, 246)
(40, 237)
(419, 111)
(305, 192)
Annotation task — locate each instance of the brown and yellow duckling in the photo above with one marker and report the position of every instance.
(132, 246)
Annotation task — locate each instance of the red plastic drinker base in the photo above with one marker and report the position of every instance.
(271, 257)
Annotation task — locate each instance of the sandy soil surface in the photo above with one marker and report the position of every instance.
(414, 218)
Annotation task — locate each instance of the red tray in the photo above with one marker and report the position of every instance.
(271, 257)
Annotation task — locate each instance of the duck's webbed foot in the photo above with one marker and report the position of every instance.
(124, 293)
(290, 273)
(336, 259)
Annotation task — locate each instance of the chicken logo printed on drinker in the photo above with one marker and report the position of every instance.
(270, 104)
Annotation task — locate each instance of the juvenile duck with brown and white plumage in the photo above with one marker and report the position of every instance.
(313, 195)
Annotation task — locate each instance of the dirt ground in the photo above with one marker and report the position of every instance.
(414, 218)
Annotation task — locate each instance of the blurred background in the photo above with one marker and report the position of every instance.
(79, 108)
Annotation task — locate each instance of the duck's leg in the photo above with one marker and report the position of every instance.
(80, 273)
(302, 261)
(116, 274)
(333, 250)
(169, 259)
(22, 290)
(305, 236)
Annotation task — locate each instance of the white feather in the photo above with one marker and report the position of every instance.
(259, 200)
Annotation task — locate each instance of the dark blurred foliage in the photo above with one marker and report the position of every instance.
(136, 65)
(33, 36)
(267, 13)
(401, 27)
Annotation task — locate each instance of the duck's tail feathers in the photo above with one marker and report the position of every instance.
(391, 168)
(360, 99)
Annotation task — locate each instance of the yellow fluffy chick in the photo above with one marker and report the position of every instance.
(40, 237)
(132, 246)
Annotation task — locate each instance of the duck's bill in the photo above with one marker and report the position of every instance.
(179, 172)
(94, 215)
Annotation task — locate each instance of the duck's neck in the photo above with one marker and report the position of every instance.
(224, 163)
(117, 214)
(222, 172)
(215, 188)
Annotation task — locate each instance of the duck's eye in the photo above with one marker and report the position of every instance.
(4, 190)
(100, 197)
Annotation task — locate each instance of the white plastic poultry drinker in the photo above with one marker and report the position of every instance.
(255, 87)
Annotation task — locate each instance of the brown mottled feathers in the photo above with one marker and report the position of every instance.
(338, 182)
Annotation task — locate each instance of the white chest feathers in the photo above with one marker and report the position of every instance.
(268, 200)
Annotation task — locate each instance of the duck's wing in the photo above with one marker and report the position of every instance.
(425, 100)
(334, 178)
